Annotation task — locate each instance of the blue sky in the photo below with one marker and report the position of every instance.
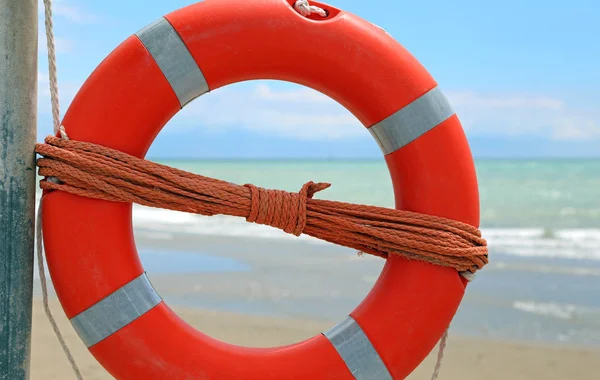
(523, 77)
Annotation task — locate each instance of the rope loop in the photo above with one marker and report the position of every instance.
(305, 9)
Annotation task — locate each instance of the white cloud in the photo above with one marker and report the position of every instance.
(61, 45)
(301, 112)
(69, 12)
(62, 11)
(66, 92)
(513, 115)
(472, 99)
(301, 95)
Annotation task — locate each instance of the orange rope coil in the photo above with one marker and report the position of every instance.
(94, 171)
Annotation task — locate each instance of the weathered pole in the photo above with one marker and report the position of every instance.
(18, 107)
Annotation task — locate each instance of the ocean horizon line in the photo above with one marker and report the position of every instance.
(358, 159)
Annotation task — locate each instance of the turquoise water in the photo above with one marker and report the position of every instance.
(543, 208)
(541, 219)
(549, 194)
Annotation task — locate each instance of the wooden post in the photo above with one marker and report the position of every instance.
(18, 108)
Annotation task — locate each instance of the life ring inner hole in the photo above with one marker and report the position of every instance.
(226, 264)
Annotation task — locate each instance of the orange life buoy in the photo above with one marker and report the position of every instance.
(95, 267)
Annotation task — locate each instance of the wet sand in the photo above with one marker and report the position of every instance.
(466, 359)
(279, 292)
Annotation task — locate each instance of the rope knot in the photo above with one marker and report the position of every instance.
(281, 209)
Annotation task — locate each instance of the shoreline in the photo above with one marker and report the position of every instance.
(465, 359)
(295, 278)
(323, 323)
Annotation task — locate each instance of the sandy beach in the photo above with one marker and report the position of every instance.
(466, 359)
(265, 292)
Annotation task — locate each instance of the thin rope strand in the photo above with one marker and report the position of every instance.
(53, 81)
(43, 281)
(440, 356)
(52, 65)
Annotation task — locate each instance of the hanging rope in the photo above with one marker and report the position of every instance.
(57, 128)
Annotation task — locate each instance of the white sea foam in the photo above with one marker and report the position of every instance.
(165, 221)
(551, 309)
(537, 242)
(527, 242)
(546, 269)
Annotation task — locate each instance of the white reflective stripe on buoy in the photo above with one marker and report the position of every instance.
(356, 351)
(174, 59)
(412, 121)
(116, 311)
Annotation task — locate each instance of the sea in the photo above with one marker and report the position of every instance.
(541, 219)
